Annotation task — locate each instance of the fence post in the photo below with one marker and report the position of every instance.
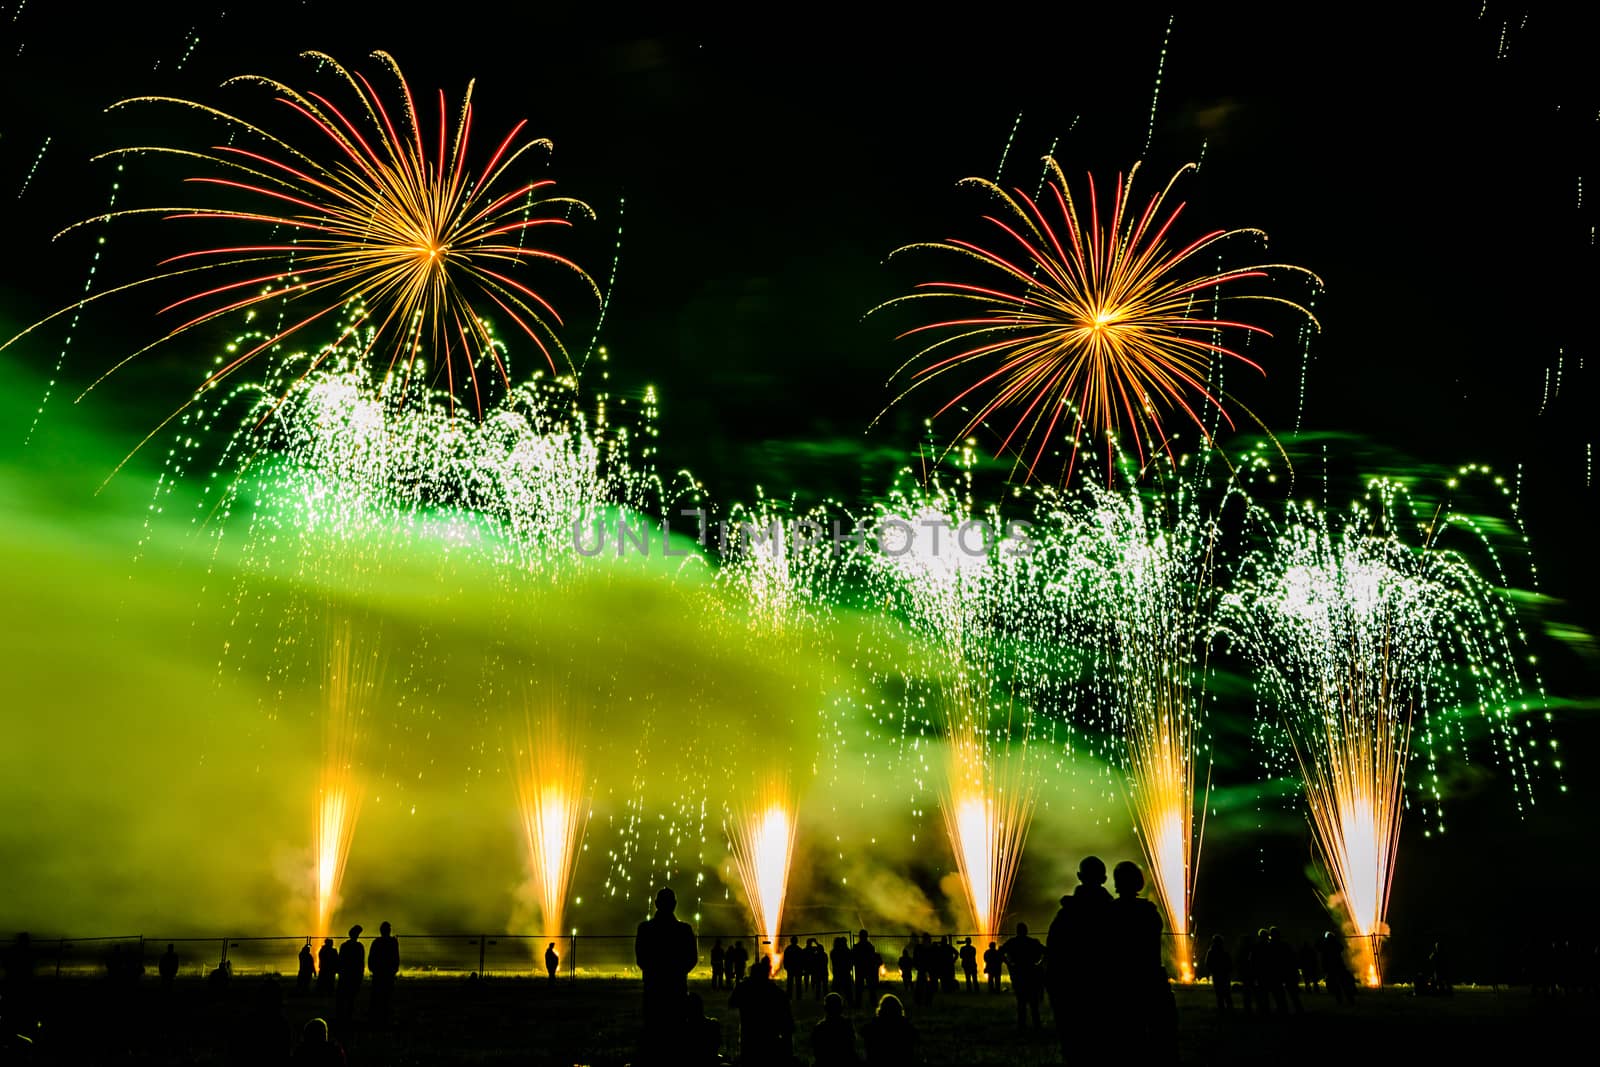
(483, 941)
(572, 955)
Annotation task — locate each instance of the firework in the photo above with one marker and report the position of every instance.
(378, 210)
(1368, 643)
(350, 691)
(762, 841)
(1089, 324)
(552, 801)
(1138, 573)
(987, 805)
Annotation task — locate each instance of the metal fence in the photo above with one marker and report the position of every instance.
(597, 955)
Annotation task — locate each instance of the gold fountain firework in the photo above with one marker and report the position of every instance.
(1160, 739)
(1358, 628)
(350, 690)
(761, 838)
(987, 804)
(1354, 777)
(552, 800)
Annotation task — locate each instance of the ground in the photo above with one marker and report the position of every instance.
(593, 1021)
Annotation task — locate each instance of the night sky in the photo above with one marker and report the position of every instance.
(1427, 166)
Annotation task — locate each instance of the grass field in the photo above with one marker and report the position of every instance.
(594, 1021)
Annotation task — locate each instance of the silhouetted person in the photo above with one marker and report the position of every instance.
(264, 1036)
(1249, 960)
(833, 1039)
(1075, 965)
(1142, 996)
(552, 962)
(167, 968)
(969, 965)
(1308, 967)
(1285, 981)
(888, 1038)
(719, 962)
(795, 962)
(1219, 965)
(907, 968)
(702, 1035)
(927, 964)
(949, 960)
(817, 968)
(327, 967)
(1025, 956)
(1341, 983)
(307, 972)
(665, 951)
(738, 959)
(316, 1048)
(352, 967)
(993, 962)
(766, 1023)
(843, 963)
(864, 956)
(384, 963)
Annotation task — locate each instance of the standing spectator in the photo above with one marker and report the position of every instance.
(843, 962)
(665, 951)
(833, 1039)
(969, 965)
(352, 967)
(992, 964)
(307, 971)
(766, 1022)
(719, 960)
(167, 967)
(1219, 965)
(327, 967)
(1024, 955)
(1076, 963)
(384, 962)
(864, 955)
(889, 1038)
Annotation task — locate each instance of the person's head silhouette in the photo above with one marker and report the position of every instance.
(355, 932)
(1022, 929)
(861, 936)
(890, 1007)
(315, 1032)
(991, 944)
(383, 928)
(833, 1007)
(327, 942)
(666, 901)
(1128, 879)
(169, 948)
(1092, 871)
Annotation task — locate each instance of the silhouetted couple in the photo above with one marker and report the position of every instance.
(666, 951)
(1103, 968)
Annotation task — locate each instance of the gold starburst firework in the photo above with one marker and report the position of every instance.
(1105, 327)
